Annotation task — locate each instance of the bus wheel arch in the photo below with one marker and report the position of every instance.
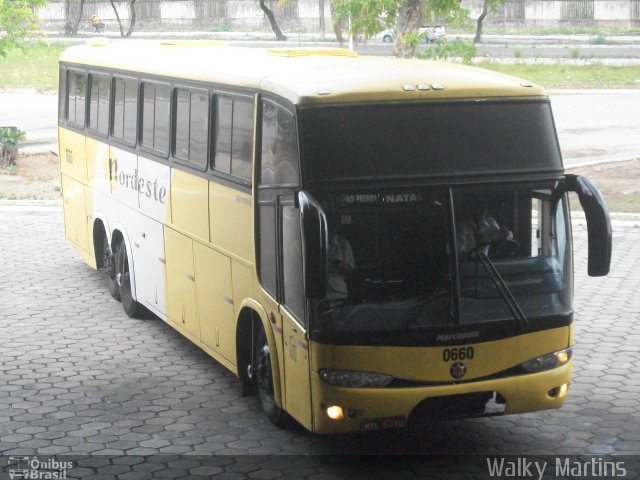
(105, 257)
(258, 363)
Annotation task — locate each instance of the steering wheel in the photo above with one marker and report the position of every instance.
(505, 248)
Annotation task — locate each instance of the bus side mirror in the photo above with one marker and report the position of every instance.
(598, 223)
(314, 246)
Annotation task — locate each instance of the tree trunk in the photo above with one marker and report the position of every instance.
(408, 22)
(74, 30)
(272, 20)
(483, 15)
(321, 19)
(337, 26)
(132, 23)
(68, 28)
(117, 18)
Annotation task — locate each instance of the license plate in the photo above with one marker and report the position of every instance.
(385, 423)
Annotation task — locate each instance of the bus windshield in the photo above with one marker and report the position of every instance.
(403, 261)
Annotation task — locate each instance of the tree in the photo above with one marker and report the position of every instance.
(272, 20)
(369, 17)
(75, 26)
(409, 15)
(17, 18)
(132, 18)
(413, 13)
(366, 17)
(488, 6)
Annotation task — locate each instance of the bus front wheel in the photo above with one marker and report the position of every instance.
(263, 371)
(123, 279)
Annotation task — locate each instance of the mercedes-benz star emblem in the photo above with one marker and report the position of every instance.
(458, 370)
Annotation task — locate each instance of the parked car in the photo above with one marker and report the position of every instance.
(428, 34)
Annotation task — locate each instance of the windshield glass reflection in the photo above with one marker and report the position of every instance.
(392, 266)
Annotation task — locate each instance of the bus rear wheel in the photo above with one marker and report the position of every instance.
(123, 278)
(109, 265)
(263, 374)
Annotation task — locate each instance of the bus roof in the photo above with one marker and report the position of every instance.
(301, 75)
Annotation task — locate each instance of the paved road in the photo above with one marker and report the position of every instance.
(509, 49)
(592, 126)
(77, 376)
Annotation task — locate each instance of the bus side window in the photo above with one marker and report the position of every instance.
(155, 117)
(76, 94)
(99, 103)
(292, 279)
(279, 159)
(192, 126)
(234, 136)
(125, 109)
(63, 95)
(267, 255)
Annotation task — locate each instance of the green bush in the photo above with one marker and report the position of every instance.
(9, 138)
(443, 49)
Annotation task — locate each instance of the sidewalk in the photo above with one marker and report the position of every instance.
(330, 37)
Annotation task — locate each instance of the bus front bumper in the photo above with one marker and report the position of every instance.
(371, 409)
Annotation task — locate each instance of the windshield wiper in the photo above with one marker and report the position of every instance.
(416, 312)
(500, 284)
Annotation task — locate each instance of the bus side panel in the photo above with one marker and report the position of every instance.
(98, 172)
(231, 212)
(189, 209)
(75, 213)
(180, 284)
(124, 175)
(215, 300)
(154, 179)
(73, 162)
(148, 251)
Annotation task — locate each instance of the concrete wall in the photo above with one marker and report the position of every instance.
(622, 13)
(302, 15)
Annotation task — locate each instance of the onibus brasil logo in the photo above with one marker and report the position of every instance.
(34, 468)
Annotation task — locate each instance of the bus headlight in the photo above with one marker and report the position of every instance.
(347, 378)
(548, 361)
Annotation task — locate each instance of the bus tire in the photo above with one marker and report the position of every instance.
(109, 265)
(123, 278)
(264, 379)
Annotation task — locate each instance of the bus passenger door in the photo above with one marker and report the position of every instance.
(292, 310)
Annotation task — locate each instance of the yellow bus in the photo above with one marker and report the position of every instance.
(365, 242)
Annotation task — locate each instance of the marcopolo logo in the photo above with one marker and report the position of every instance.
(141, 185)
(37, 469)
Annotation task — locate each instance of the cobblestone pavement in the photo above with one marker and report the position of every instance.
(78, 377)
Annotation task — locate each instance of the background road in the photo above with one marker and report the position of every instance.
(592, 125)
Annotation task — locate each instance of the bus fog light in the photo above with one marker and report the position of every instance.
(560, 391)
(335, 413)
(548, 361)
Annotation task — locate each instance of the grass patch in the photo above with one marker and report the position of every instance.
(572, 76)
(33, 66)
